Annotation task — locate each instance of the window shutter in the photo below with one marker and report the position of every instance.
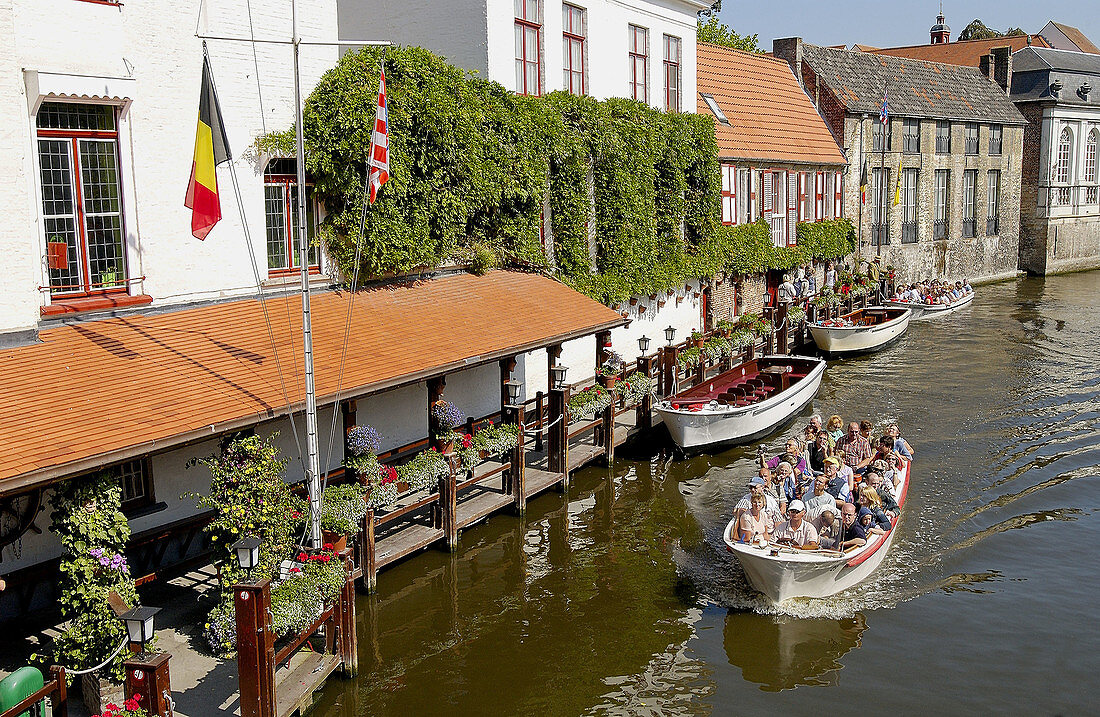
(819, 198)
(838, 202)
(766, 188)
(792, 205)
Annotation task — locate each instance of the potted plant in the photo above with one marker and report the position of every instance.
(696, 339)
(342, 511)
(57, 253)
(609, 371)
(445, 419)
(363, 445)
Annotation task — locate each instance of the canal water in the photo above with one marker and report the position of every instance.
(620, 599)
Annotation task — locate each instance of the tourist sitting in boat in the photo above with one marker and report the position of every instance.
(866, 518)
(854, 450)
(759, 486)
(967, 287)
(835, 430)
(792, 455)
(839, 479)
(755, 523)
(865, 429)
(901, 446)
(852, 534)
(869, 500)
(818, 498)
(818, 451)
(884, 451)
(884, 491)
(796, 531)
(828, 526)
(809, 435)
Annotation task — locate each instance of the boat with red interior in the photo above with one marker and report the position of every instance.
(868, 329)
(749, 401)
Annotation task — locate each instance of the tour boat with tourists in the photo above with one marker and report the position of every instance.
(749, 401)
(931, 311)
(781, 572)
(862, 330)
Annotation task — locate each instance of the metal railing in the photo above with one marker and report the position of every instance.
(992, 226)
(909, 232)
(969, 228)
(880, 234)
(939, 229)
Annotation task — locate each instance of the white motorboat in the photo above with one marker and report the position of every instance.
(931, 311)
(868, 329)
(782, 573)
(745, 403)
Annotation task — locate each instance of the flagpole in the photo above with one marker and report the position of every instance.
(313, 462)
(862, 166)
(885, 225)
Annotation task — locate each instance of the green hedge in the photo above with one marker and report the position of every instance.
(472, 165)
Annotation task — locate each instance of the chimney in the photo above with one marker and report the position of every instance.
(789, 49)
(1001, 60)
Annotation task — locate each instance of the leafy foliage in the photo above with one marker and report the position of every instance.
(718, 33)
(88, 520)
(977, 30)
(343, 508)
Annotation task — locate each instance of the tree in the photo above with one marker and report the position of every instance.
(719, 33)
(978, 31)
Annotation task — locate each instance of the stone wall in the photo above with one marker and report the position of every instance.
(1033, 227)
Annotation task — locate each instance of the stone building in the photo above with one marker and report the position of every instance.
(943, 179)
(1060, 214)
(780, 161)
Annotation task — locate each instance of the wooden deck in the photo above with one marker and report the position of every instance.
(295, 685)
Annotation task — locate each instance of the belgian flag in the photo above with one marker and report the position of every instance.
(211, 149)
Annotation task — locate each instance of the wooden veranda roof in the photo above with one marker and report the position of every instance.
(98, 392)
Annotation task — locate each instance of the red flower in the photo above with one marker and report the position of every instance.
(327, 546)
(131, 704)
(467, 440)
(137, 699)
(295, 570)
(302, 556)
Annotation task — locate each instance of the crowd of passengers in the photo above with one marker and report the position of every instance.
(833, 488)
(934, 292)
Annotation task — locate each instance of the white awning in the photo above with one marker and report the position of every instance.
(77, 88)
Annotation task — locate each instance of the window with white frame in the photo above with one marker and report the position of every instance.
(744, 193)
(1061, 167)
(573, 39)
(943, 137)
(673, 84)
(78, 165)
(941, 196)
(729, 192)
(970, 203)
(836, 190)
(281, 214)
(996, 139)
(806, 193)
(528, 47)
(909, 179)
(993, 203)
(639, 63)
(910, 138)
(880, 228)
(136, 482)
(971, 136)
(880, 133)
(1090, 166)
(775, 193)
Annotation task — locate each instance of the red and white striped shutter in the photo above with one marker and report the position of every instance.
(727, 208)
(792, 205)
(819, 196)
(754, 208)
(838, 204)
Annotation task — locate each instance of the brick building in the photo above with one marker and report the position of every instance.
(944, 176)
(780, 161)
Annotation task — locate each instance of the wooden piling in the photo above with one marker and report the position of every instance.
(517, 474)
(368, 554)
(558, 440)
(448, 502)
(255, 648)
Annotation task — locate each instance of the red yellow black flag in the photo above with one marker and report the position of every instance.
(211, 149)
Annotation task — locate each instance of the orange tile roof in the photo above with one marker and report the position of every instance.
(965, 52)
(98, 392)
(1077, 37)
(772, 118)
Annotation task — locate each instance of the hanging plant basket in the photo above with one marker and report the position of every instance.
(652, 297)
(696, 294)
(633, 301)
(641, 309)
(661, 304)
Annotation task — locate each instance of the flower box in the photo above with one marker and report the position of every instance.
(97, 693)
(338, 541)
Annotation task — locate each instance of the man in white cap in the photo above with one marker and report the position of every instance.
(796, 532)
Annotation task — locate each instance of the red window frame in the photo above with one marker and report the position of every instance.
(73, 137)
(639, 56)
(674, 89)
(285, 182)
(573, 36)
(528, 57)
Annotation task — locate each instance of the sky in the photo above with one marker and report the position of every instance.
(888, 24)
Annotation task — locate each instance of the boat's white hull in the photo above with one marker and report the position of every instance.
(930, 311)
(854, 339)
(713, 425)
(809, 574)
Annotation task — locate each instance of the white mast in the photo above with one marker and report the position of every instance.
(313, 461)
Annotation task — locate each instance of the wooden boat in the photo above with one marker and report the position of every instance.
(747, 402)
(931, 311)
(782, 573)
(867, 329)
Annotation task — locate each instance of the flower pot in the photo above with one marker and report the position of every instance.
(661, 304)
(607, 382)
(98, 693)
(402, 486)
(338, 540)
(697, 342)
(633, 301)
(57, 254)
(652, 297)
(641, 309)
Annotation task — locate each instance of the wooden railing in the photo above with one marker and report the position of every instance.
(54, 689)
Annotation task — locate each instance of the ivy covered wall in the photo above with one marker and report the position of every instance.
(633, 193)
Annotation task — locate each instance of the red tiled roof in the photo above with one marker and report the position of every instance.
(772, 118)
(965, 52)
(1077, 37)
(97, 392)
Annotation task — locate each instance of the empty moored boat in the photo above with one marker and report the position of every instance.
(868, 329)
(782, 573)
(931, 311)
(747, 402)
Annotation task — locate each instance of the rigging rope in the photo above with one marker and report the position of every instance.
(101, 665)
(256, 65)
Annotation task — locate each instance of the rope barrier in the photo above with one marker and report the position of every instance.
(545, 428)
(101, 665)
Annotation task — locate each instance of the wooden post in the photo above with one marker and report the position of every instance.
(347, 410)
(435, 393)
(347, 646)
(540, 399)
(607, 424)
(783, 334)
(517, 475)
(644, 416)
(448, 502)
(147, 676)
(670, 359)
(59, 700)
(368, 554)
(507, 366)
(558, 441)
(255, 648)
(603, 347)
(700, 371)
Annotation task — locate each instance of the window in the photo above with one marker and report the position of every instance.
(878, 132)
(807, 192)
(943, 137)
(528, 47)
(715, 109)
(836, 187)
(775, 205)
(993, 204)
(729, 194)
(281, 211)
(909, 178)
(970, 203)
(941, 194)
(137, 484)
(744, 193)
(971, 146)
(673, 88)
(910, 139)
(1090, 166)
(880, 228)
(1061, 167)
(81, 198)
(996, 133)
(639, 63)
(573, 33)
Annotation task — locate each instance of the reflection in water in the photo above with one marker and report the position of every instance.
(782, 652)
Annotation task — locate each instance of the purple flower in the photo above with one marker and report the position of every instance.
(446, 415)
(363, 440)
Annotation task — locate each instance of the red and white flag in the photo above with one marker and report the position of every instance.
(379, 165)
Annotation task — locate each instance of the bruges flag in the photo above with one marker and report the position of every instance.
(211, 149)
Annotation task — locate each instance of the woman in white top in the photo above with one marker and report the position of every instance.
(755, 523)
